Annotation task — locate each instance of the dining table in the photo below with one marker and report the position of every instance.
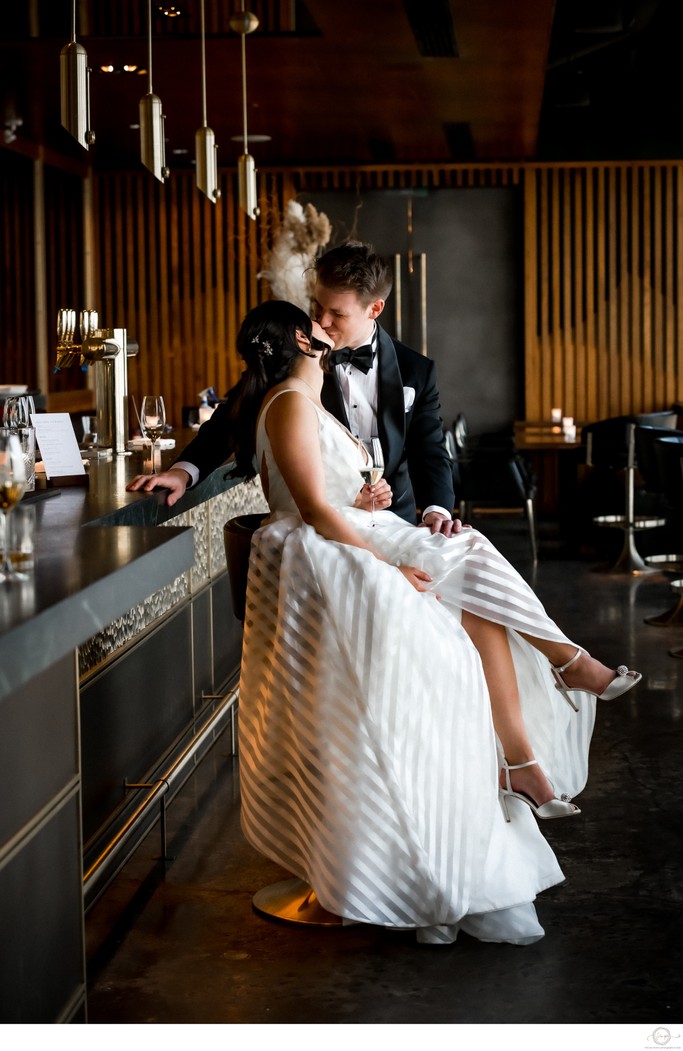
(555, 459)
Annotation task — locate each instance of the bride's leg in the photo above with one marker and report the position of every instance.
(491, 642)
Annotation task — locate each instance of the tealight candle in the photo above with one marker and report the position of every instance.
(556, 415)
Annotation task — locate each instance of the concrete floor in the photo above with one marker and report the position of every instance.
(185, 946)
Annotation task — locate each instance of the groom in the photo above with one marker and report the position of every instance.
(379, 387)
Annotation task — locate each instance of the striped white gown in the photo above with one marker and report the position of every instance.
(368, 760)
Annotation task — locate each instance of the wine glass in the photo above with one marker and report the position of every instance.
(373, 469)
(153, 421)
(12, 485)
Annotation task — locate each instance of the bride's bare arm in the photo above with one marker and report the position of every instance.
(292, 425)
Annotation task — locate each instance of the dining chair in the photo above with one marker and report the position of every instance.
(496, 480)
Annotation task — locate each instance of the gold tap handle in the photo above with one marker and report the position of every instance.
(89, 322)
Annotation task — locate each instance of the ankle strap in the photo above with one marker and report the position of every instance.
(519, 766)
(579, 653)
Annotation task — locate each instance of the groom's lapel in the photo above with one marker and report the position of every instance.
(332, 398)
(390, 403)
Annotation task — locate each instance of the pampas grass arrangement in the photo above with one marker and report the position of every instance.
(302, 233)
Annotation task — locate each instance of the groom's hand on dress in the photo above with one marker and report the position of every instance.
(438, 523)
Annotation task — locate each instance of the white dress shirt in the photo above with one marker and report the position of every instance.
(359, 391)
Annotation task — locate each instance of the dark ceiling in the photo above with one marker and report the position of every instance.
(360, 81)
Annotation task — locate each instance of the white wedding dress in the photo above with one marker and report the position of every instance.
(369, 764)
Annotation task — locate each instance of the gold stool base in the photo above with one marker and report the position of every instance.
(294, 901)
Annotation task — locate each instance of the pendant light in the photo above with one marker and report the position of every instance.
(204, 139)
(152, 145)
(245, 22)
(74, 77)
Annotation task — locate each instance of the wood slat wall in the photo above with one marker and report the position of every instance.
(17, 261)
(178, 273)
(602, 282)
(41, 266)
(602, 289)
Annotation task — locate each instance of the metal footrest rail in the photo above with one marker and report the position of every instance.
(112, 857)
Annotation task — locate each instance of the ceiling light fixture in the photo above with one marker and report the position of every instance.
(152, 149)
(245, 22)
(74, 77)
(204, 139)
(251, 138)
(109, 68)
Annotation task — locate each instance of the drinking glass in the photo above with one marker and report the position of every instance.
(27, 440)
(153, 421)
(12, 484)
(373, 469)
(18, 411)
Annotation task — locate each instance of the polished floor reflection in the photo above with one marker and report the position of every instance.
(185, 945)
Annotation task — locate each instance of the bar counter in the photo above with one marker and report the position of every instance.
(111, 655)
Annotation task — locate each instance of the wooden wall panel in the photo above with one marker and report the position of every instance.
(178, 273)
(602, 285)
(17, 306)
(603, 331)
(64, 265)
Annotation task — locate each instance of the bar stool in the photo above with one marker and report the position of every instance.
(668, 452)
(611, 444)
(292, 900)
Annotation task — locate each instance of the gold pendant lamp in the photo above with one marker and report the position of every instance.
(245, 22)
(205, 140)
(152, 144)
(74, 78)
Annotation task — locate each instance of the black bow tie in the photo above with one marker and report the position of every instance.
(361, 357)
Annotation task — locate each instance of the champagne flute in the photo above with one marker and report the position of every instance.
(373, 469)
(153, 421)
(12, 485)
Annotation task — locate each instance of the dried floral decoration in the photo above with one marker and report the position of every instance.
(302, 233)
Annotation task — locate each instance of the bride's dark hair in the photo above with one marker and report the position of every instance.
(267, 343)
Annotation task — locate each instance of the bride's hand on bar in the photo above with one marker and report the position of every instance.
(175, 480)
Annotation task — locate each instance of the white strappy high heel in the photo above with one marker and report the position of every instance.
(624, 681)
(553, 808)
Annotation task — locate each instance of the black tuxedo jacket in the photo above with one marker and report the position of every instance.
(416, 463)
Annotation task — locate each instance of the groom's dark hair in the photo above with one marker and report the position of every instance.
(355, 267)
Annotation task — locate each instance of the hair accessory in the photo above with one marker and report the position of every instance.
(265, 349)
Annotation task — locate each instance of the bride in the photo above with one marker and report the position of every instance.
(405, 700)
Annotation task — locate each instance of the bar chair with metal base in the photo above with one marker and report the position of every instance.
(291, 900)
(668, 456)
(611, 444)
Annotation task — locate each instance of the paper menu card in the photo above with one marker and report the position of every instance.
(58, 446)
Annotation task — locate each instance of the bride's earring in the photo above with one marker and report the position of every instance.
(300, 338)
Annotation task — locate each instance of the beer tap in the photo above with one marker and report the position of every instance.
(108, 349)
